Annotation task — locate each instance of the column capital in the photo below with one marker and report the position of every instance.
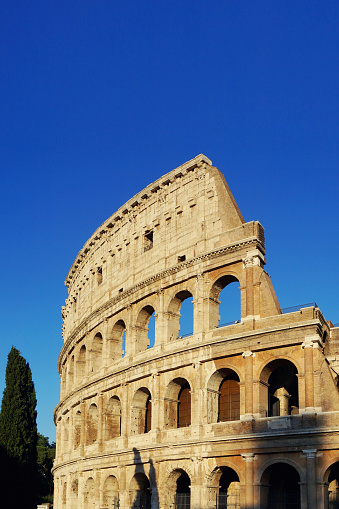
(247, 353)
(248, 456)
(310, 453)
(252, 258)
(313, 341)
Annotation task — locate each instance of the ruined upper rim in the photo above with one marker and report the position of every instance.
(132, 206)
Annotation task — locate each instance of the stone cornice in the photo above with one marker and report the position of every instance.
(243, 338)
(253, 241)
(205, 444)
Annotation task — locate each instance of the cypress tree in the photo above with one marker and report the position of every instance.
(18, 434)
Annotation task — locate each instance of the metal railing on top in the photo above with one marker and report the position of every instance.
(228, 323)
(299, 307)
(185, 335)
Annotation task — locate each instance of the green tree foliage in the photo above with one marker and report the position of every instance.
(18, 434)
(45, 457)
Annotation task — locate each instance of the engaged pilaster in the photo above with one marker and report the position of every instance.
(248, 356)
(249, 478)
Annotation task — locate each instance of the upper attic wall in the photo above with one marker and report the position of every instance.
(187, 212)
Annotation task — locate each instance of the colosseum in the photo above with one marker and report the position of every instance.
(233, 415)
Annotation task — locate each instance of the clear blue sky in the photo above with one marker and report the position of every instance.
(100, 98)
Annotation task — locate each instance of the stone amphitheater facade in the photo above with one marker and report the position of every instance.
(242, 415)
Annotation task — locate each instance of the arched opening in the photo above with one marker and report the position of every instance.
(223, 396)
(183, 491)
(279, 389)
(74, 494)
(141, 412)
(181, 315)
(81, 364)
(225, 302)
(113, 418)
(117, 342)
(140, 492)
(151, 331)
(92, 424)
(184, 406)
(124, 344)
(77, 429)
(229, 398)
(89, 494)
(227, 491)
(143, 338)
(332, 483)
(178, 404)
(280, 487)
(96, 352)
(111, 493)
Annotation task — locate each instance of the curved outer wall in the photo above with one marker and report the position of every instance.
(120, 433)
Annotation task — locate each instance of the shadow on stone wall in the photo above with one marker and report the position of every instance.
(143, 489)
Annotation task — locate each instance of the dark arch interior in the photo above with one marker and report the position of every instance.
(229, 489)
(280, 486)
(283, 390)
(183, 483)
(227, 477)
(333, 487)
(148, 416)
(143, 493)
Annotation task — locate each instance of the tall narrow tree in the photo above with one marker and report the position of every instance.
(18, 434)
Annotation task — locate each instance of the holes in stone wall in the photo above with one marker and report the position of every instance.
(92, 424)
(113, 418)
(223, 396)
(81, 363)
(111, 493)
(141, 412)
(178, 404)
(96, 352)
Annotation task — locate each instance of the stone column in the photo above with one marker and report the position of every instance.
(249, 477)
(311, 477)
(100, 421)
(309, 344)
(160, 320)
(196, 483)
(83, 428)
(248, 356)
(129, 343)
(125, 414)
(196, 401)
(322, 495)
(248, 265)
(123, 488)
(201, 301)
(253, 259)
(155, 402)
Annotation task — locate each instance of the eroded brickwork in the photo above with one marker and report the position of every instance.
(242, 415)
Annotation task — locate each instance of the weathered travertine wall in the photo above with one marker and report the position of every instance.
(193, 420)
